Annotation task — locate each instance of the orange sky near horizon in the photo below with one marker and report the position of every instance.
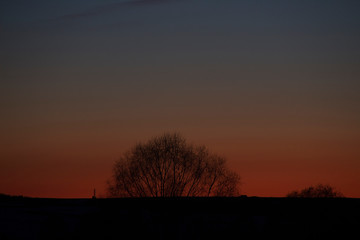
(268, 167)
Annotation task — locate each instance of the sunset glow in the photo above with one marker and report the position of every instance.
(272, 87)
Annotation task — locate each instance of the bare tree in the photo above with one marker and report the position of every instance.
(167, 166)
(319, 191)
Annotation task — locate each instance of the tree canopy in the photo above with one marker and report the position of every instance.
(168, 166)
(318, 191)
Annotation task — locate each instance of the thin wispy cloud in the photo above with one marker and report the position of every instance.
(108, 8)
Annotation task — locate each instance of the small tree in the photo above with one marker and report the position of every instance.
(167, 166)
(319, 191)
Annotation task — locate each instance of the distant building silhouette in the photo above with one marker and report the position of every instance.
(94, 196)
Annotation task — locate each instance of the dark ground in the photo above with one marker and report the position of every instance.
(179, 218)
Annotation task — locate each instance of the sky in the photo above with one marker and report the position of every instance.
(273, 86)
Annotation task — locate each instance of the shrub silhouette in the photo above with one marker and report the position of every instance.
(319, 191)
(167, 166)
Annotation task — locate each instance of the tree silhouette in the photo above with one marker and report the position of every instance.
(319, 191)
(167, 166)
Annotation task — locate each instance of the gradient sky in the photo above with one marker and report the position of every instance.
(274, 86)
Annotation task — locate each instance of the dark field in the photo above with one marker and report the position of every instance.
(179, 218)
